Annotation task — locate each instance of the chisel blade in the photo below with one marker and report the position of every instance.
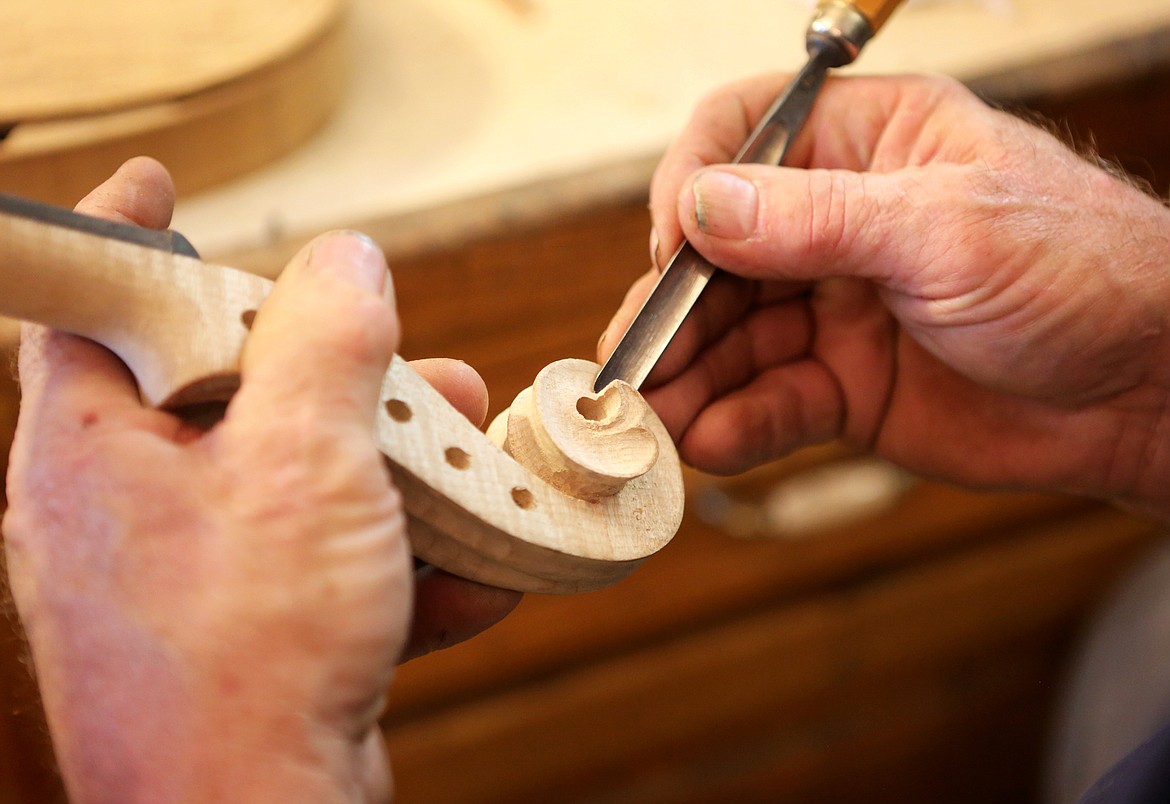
(688, 272)
(164, 240)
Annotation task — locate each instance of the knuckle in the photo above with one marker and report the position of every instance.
(943, 84)
(833, 204)
(363, 328)
(937, 89)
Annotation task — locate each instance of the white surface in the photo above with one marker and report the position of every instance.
(455, 98)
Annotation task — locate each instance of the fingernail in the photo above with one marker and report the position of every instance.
(726, 206)
(654, 243)
(351, 256)
(601, 341)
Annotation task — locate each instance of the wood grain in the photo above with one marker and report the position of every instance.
(478, 513)
(805, 676)
(452, 98)
(204, 137)
(508, 304)
(876, 11)
(66, 59)
(179, 324)
(588, 445)
(958, 707)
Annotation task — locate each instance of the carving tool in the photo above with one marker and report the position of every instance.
(161, 240)
(835, 36)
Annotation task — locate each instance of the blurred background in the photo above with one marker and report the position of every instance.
(825, 629)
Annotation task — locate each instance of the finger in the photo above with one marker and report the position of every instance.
(727, 302)
(449, 610)
(141, 192)
(72, 383)
(717, 128)
(780, 410)
(322, 341)
(771, 223)
(858, 123)
(624, 316)
(768, 337)
(724, 303)
(842, 131)
(459, 383)
(883, 123)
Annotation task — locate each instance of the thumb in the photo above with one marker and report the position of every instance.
(322, 340)
(765, 222)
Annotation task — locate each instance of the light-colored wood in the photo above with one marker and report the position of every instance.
(502, 303)
(175, 321)
(263, 115)
(876, 11)
(179, 325)
(64, 58)
(797, 669)
(585, 444)
(479, 513)
(456, 99)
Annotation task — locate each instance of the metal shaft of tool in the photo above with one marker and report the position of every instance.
(834, 38)
(164, 240)
(688, 272)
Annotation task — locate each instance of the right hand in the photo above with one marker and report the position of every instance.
(933, 280)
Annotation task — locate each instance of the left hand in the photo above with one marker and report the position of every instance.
(218, 613)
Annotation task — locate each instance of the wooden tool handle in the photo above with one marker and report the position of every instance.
(876, 11)
(613, 496)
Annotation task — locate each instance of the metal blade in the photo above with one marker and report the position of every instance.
(167, 240)
(688, 273)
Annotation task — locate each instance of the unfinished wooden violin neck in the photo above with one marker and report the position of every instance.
(577, 489)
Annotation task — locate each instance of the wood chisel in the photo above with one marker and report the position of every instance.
(835, 36)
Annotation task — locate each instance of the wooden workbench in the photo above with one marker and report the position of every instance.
(910, 655)
(456, 99)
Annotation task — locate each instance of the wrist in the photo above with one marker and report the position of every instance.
(1138, 469)
(277, 761)
(1148, 491)
(166, 733)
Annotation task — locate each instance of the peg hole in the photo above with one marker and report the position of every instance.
(523, 498)
(599, 409)
(458, 458)
(399, 411)
(247, 318)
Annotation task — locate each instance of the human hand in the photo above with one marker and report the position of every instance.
(218, 613)
(933, 280)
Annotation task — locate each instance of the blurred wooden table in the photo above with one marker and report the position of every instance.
(457, 99)
(910, 655)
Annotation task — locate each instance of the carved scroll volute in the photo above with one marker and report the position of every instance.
(568, 491)
(585, 444)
